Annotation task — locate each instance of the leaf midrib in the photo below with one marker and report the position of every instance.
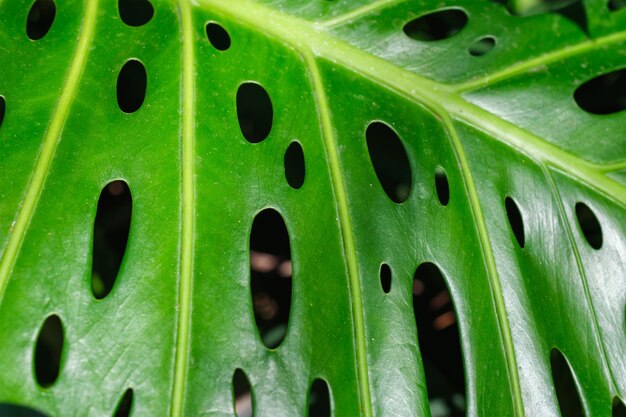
(183, 327)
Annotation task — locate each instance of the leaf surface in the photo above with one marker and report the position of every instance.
(180, 318)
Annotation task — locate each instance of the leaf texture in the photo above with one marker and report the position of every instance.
(180, 318)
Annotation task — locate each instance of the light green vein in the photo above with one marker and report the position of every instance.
(346, 233)
(545, 59)
(188, 208)
(619, 166)
(490, 263)
(51, 140)
(359, 12)
(581, 270)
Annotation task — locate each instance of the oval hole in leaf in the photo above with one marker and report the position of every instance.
(270, 276)
(254, 112)
(435, 26)
(389, 160)
(604, 94)
(443, 188)
(319, 399)
(135, 12)
(110, 236)
(15, 410)
(40, 19)
(48, 351)
(385, 277)
(439, 340)
(615, 5)
(218, 36)
(242, 394)
(131, 86)
(515, 221)
(589, 225)
(294, 165)
(566, 392)
(619, 409)
(125, 405)
(482, 46)
(3, 107)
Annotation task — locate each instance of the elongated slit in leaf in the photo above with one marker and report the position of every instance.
(242, 394)
(48, 351)
(437, 25)
(515, 221)
(619, 409)
(439, 340)
(110, 236)
(125, 405)
(589, 225)
(615, 5)
(564, 385)
(294, 165)
(40, 19)
(16, 410)
(270, 276)
(132, 82)
(389, 160)
(254, 112)
(604, 94)
(319, 399)
(3, 106)
(385, 278)
(442, 186)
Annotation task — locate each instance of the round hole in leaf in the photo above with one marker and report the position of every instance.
(218, 36)
(270, 276)
(125, 405)
(389, 160)
(482, 46)
(135, 12)
(604, 94)
(564, 385)
(442, 186)
(385, 278)
(110, 236)
(438, 335)
(242, 394)
(48, 351)
(131, 86)
(435, 26)
(515, 220)
(254, 112)
(40, 19)
(319, 399)
(294, 165)
(589, 225)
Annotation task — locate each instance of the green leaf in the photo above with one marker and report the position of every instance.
(446, 147)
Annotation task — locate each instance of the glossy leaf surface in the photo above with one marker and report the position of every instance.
(499, 121)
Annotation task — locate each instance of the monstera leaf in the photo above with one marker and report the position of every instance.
(292, 207)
